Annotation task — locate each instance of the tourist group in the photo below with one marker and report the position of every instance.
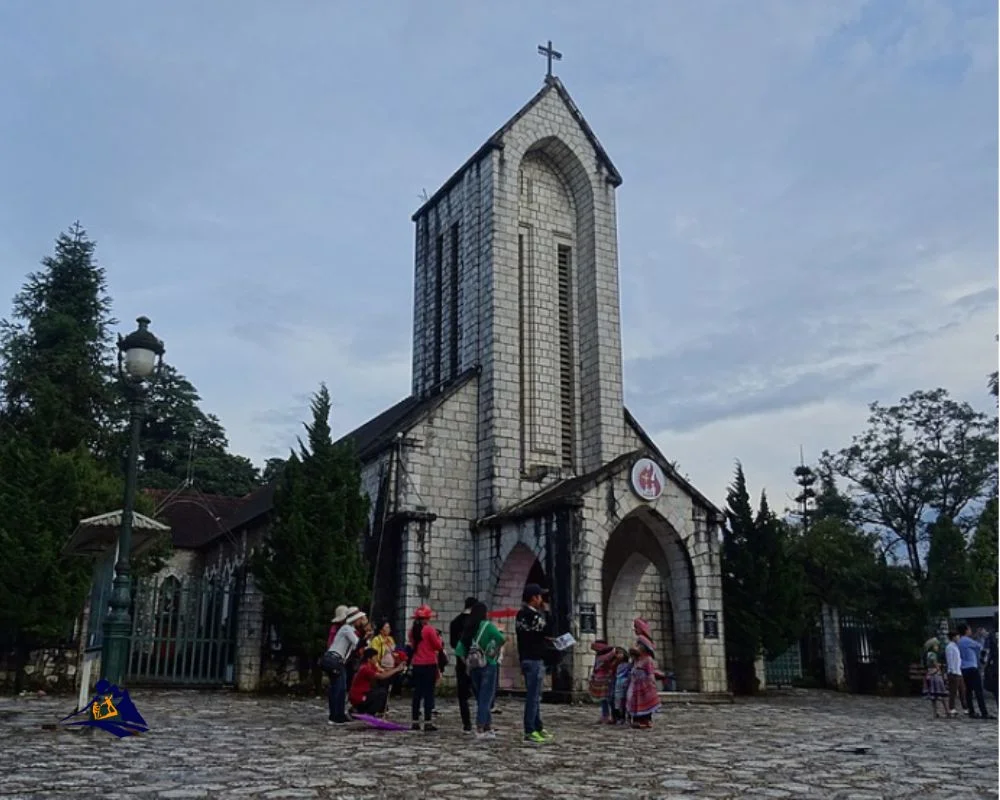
(366, 667)
(969, 663)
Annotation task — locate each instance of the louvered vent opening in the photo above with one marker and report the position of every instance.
(438, 310)
(566, 357)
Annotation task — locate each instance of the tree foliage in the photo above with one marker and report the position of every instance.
(838, 563)
(761, 583)
(983, 557)
(311, 560)
(44, 495)
(55, 351)
(180, 442)
(924, 457)
(949, 580)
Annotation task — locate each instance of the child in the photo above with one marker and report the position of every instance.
(622, 674)
(934, 685)
(643, 698)
(601, 675)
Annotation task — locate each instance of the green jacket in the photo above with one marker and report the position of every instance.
(488, 637)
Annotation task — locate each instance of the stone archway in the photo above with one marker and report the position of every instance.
(520, 568)
(646, 571)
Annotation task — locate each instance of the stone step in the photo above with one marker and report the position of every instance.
(696, 698)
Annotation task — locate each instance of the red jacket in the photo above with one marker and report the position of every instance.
(428, 647)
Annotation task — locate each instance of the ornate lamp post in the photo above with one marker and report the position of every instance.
(140, 358)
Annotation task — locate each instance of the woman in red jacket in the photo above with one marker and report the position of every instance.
(426, 643)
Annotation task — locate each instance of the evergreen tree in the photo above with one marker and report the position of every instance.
(806, 478)
(181, 442)
(55, 351)
(44, 495)
(983, 556)
(738, 572)
(780, 581)
(312, 557)
(830, 502)
(949, 581)
(273, 467)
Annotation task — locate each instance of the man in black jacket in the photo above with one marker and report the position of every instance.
(464, 688)
(531, 626)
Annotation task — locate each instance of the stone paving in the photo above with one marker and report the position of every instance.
(795, 744)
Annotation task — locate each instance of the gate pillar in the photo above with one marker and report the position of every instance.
(249, 636)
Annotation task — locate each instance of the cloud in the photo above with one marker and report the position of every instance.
(808, 220)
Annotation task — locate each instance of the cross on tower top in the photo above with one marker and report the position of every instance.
(549, 54)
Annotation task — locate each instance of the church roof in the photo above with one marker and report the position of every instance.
(672, 473)
(495, 142)
(371, 439)
(194, 517)
(569, 492)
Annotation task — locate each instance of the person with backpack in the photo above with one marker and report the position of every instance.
(427, 649)
(464, 685)
(479, 648)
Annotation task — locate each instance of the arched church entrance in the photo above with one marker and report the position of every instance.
(646, 572)
(520, 568)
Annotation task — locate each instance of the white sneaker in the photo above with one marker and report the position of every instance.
(486, 734)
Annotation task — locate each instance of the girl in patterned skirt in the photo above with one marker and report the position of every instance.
(601, 676)
(643, 698)
(934, 686)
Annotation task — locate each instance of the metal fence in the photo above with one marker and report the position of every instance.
(184, 631)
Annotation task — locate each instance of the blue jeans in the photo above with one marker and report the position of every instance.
(484, 680)
(337, 697)
(534, 675)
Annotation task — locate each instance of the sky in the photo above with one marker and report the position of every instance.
(807, 223)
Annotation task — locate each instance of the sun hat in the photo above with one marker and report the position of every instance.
(355, 615)
(423, 612)
(642, 628)
(340, 615)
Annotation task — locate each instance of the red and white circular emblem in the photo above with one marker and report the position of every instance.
(648, 479)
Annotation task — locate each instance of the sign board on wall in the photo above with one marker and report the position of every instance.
(710, 621)
(648, 479)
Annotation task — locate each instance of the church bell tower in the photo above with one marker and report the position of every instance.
(517, 278)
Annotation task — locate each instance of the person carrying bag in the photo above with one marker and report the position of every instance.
(480, 649)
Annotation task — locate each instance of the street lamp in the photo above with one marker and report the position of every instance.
(140, 359)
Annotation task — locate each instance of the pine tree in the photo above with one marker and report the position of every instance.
(312, 558)
(180, 441)
(739, 591)
(44, 495)
(983, 556)
(55, 351)
(949, 581)
(779, 580)
(806, 478)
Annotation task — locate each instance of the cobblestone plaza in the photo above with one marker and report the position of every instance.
(218, 745)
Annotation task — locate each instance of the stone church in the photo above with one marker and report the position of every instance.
(514, 459)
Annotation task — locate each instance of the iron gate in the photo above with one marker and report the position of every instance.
(184, 631)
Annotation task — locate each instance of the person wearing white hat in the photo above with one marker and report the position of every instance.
(339, 618)
(343, 646)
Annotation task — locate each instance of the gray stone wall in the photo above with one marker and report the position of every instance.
(440, 477)
(51, 670)
(467, 204)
